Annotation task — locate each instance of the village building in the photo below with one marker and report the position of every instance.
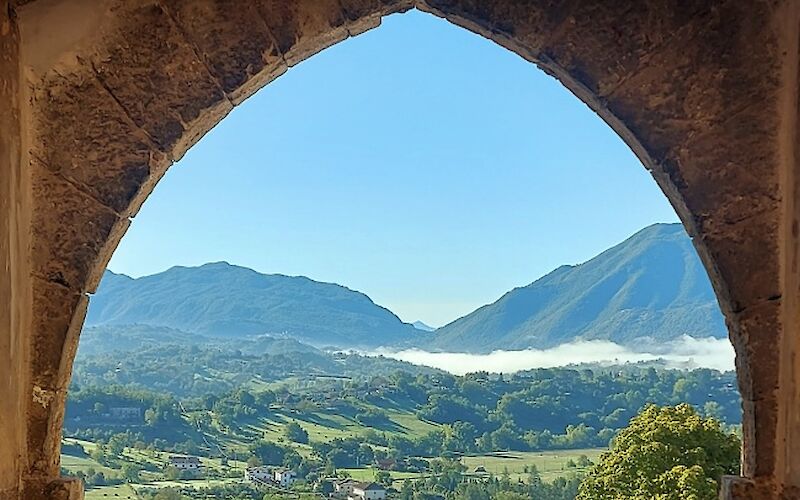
(258, 474)
(187, 463)
(344, 488)
(284, 477)
(368, 491)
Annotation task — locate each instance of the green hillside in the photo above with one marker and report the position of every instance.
(224, 300)
(650, 286)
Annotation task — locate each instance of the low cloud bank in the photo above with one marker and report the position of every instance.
(685, 352)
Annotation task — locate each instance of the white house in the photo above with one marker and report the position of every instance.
(284, 477)
(258, 474)
(185, 463)
(368, 491)
(344, 488)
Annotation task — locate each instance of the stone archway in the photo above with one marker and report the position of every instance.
(106, 95)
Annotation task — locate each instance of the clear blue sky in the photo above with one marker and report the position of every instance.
(418, 163)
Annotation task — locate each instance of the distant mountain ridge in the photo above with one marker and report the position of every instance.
(652, 286)
(419, 325)
(220, 299)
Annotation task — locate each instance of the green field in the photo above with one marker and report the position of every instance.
(122, 492)
(321, 427)
(550, 464)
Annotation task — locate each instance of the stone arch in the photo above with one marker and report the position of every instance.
(111, 93)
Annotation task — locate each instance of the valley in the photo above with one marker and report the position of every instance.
(216, 381)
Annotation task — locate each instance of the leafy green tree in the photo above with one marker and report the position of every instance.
(172, 473)
(383, 477)
(98, 454)
(473, 492)
(130, 472)
(583, 461)
(665, 453)
(268, 452)
(294, 432)
(116, 445)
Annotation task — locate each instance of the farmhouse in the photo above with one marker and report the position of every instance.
(192, 464)
(284, 477)
(368, 491)
(258, 474)
(344, 488)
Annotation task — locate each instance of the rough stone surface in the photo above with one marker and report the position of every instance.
(304, 27)
(13, 346)
(162, 94)
(69, 230)
(697, 89)
(232, 39)
(86, 137)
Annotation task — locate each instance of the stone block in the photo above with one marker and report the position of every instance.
(715, 66)
(232, 38)
(69, 230)
(82, 134)
(305, 27)
(155, 75)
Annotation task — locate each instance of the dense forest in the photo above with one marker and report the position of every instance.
(534, 410)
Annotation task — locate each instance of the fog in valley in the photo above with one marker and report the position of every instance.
(685, 352)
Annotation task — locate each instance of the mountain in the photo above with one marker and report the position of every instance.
(419, 325)
(651, 286)
(220, 299)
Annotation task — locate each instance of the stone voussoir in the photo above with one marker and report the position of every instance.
(231, 37)
(304, 27)
(69, 229)
(155, 74)
(84, 136)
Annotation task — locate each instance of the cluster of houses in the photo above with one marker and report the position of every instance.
(346, 489)
(340, 489)
(265, 474)
(356, 490)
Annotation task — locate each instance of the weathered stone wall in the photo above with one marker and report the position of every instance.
(13, 344)
(115, 91)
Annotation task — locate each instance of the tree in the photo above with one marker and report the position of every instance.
(116, 445)
(130, 472)
(172, 473)
(383, 477)
(98, 454)
(666, 453)
(295, 433)
(269, 453)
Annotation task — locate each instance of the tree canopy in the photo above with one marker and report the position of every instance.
(665, 453)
